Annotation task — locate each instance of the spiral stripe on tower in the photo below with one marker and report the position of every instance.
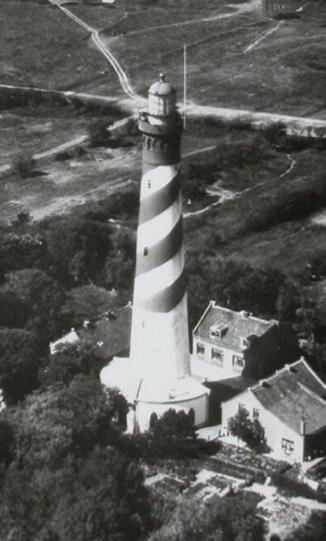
(160, 264)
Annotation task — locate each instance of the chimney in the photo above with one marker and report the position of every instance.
(302, 426)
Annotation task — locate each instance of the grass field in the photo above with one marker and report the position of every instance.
(285, 72)
(211, 156)
(40, 46)
(260, 227)
(32, 129)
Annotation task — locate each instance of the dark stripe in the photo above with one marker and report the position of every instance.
(168, 298)
(162, 251)
(159, 201)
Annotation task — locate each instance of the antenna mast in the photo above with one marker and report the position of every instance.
(184, 84)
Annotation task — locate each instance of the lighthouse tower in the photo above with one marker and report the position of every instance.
(157, 376)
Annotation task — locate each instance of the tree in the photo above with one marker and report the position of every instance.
(313, 530)
(99, 497)
(72, 360)
(76, 248)
(87, 302)
(251, 432)
(23, 165)
(232, 518)
(41, 299)
(22, 219)
(98, 132)
(20, 359)
(72, 419)
(173, 434)
(6, 442)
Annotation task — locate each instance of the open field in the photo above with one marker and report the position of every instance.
(226, 159)
(284, 72)
(40, 46)
(36, 128)
(271, 223)
(235, 57)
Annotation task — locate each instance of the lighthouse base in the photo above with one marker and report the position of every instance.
(149, 398)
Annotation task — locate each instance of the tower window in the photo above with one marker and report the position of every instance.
(145, 251)
(149, 184)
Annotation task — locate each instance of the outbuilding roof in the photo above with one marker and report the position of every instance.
(233, 326)
(295, 394)
(109, 333)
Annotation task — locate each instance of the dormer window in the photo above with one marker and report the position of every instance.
(218, 331)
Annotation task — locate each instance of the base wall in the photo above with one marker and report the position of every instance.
(139, 418)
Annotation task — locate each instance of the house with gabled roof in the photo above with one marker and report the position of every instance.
(291, 407)
(228, 344)
(108, 333)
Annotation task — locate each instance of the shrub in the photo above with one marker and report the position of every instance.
(251, 432)
(98, 132)
(23, 165)
(292, 487)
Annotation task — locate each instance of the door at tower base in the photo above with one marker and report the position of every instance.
(147, 395)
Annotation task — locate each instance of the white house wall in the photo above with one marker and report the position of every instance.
(275, 430)
(203, 366)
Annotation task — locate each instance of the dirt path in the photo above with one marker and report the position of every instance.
(225, 195)
(104, 50)
(95, 36)
(262, 37)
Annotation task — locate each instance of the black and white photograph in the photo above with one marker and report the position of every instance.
(162, 270)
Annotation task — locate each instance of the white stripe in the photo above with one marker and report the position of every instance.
(153, 281)
(157, 178)
(151, 232)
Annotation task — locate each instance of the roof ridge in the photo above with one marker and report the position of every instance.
(286, 368)
(238, 312)
(312, 393)
(210, 305)
(278, 372)
(307, 365)
(263, 320)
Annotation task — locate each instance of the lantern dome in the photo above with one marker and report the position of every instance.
(161, 98)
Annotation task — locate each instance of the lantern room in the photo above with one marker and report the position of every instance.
(161, 99)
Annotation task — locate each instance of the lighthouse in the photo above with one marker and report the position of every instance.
(157, 374)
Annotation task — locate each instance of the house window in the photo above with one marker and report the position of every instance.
(200, 349)
(287, 446)
(255, 413)
(238, 362)
(145, 251)
(241, 407)
(217, 356)
(244, 342)
(149, 184)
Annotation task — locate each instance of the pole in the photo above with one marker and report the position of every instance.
(184, 84)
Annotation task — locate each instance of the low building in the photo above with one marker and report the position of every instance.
(228, 344)
(291, 407)
(109, 333)
(272, 8)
